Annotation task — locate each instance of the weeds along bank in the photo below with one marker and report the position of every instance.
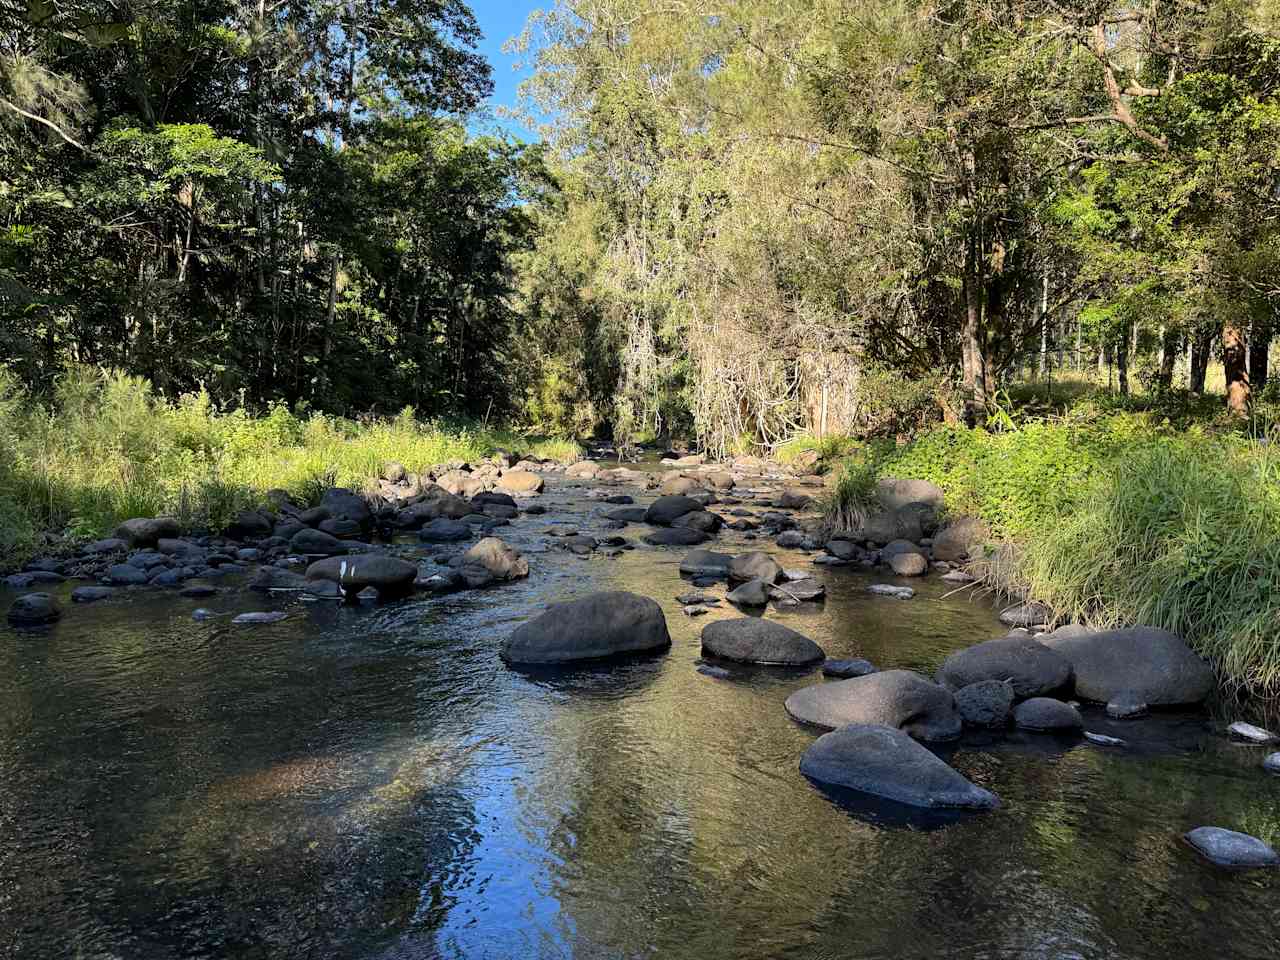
(1127, 519)
(106, 448)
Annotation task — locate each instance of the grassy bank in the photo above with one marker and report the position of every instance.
(107, 448)
(1119, 517)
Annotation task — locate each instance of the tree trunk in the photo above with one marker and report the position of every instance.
(1168, 355)
(1199, 362)
(1122, 363)
(1234, 355)
(1259, 354)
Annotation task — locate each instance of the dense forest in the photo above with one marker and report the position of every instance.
(827, 216)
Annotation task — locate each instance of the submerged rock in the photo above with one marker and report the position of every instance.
(1032, 668)
(752, 640)
(1226, 848)
(1102, 740)
(269, 616)
(909, 564)
(675, 537)
(895, 698)
(595, 627)
(887, 763)
(798, 591)
(499, 559)
(716, 673)
(889, 590)
(1155, 665)
(90, 594)
(846, 669)
(32, 609)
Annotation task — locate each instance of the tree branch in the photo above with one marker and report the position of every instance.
(48, 123)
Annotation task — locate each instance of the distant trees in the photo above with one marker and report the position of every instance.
(276, 200)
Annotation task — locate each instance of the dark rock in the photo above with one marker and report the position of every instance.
(909, 564)
(960, 539)
(1227, 848)
(1043, 714)
(987, 703)
(198, 590)
(793, 500)
(666, 510)
(794, 540)
(798, 591)
(881, 528)
(627, 515)
(1026, 615)
(753, 593)
(500, 511)
(894, 698)
(249, 525)
(716, 673)
(848, 669)
(1126, 705)
(90, 594)
(268, 579)
(755, 566)
(171, 578)
(702, 520)
(1155, 665)
(844, 549)
(390, 576)
(705, 563)
(887, 763)
(444, 531)
(142, 532)
(894, 494)
(1032, 668)
(752, 640)
(124, 574)
(595, 627)
(268, 616)
(342, 504)
(316, 542)
(675, 537)
(32, 609)
(342, 528)
(110, 545)
(1271, 763)
(621, 499)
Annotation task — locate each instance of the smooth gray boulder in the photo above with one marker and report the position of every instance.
(960, 539)
(32, 609)
(596, 627)
(1026, 614)
(666, 510)
(1155, 665)
(894, 494)
(797, 591)
(145, 532)
(703, 520)
(390, 576)
(1032, 668)
(986, 704)
(887, 763)
(317, 542)
(675, 537)
(752, 640)
(846, 669)
(627, 515)
(895, 698)
(1046, 715)
(755, 566)
(269, 579)
(706, 563)
(753, 593)
(909, 564)
(1271, 763)
(1227, 848)
(444, 530)
(126, 575)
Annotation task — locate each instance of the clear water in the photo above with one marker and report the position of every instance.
(373, 782)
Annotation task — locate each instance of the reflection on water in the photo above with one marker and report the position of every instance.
(372, 782)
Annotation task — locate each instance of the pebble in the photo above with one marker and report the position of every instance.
(1247, 731)
(695, 610)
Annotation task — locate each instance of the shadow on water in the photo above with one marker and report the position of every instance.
(889, 814)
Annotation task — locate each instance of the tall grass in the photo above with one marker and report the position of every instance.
(107, 448)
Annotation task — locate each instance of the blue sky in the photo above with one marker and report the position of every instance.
(501, 19)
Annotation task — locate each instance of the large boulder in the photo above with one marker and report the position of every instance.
(675, 537)
(882, 527)
(596, 627)
(1032, 668)
(316, 542)
(757, 565)
(583, 470)
(677, 485)
(627, 515)
(343, 504)
(146, 532)
(32, 609)
(249, 525)
(444, 531)
(909, 565)
(1152, 665)
(753, 593)
(705, 563)
(703, 520)
(887, 763)
(752, 640)
(498, 558)
(960, 539)
(390, 576)
(666, 510)
(521, 481)
(895, 494)
(895, 698)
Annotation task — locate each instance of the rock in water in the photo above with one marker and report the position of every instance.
(1272, 763)
(706, 563)
(716, 673)
(755, 566)
(444, 530)
(753, 593)
(752, 640)
(388, 575)
(798, 591)
(887, 763)
(675, 537)
(1032, 668)
(895, 698)
(909, 565)
(1046, 715)
(666, 510)
(596, 627)
(318, 542)
(1025, 615)
(986, 704)
(1154, 665)
(1247, 731)
(889, 590)
(32, 609)
(847, 669)
(502, 561)
(1226, 848)
(269, 616)
(144, 532)
(90, 594)
(1103, 740)
(1126, 705)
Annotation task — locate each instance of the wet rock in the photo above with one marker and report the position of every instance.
(171, 578)
(752, 640)
(500, 559)
(110, 545)
(716, 673)
(203, 613)
(895, 698)
(702, 520)
(695, 610)
(1152, 664)
(90, 594)
(124, 574)
(316, 543)
(675, 537)
(1046, 715)
(444, 530)
(390, 576)
(268, 616)
(198, 590)
(666, 510)
(182, 549)
(450, 581)
(1032, 668)
(342, 528)
(579, 544)
(535, 510)
(798, 591)
(32, 609)
(795, 540)
(1025, 615)
(595, 627)
(961, 539)
(620, 499)
(986, 704)
(757, 565)
(1126, 705)
(706, 563)
(1247, 731)
(144, 532)
(909, 564)
(844, 549)
(1227, 848)
(269, 579)
(249, 525)
(847, 669)
(753, 593)
(627, 515)
(322, 590)
(1102, 740)
(887, 763)
(889, 590)
(894, 494)
(500, 511)
(1271, 763)
(793, 500)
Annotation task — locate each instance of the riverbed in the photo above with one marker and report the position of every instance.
(372, 782)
